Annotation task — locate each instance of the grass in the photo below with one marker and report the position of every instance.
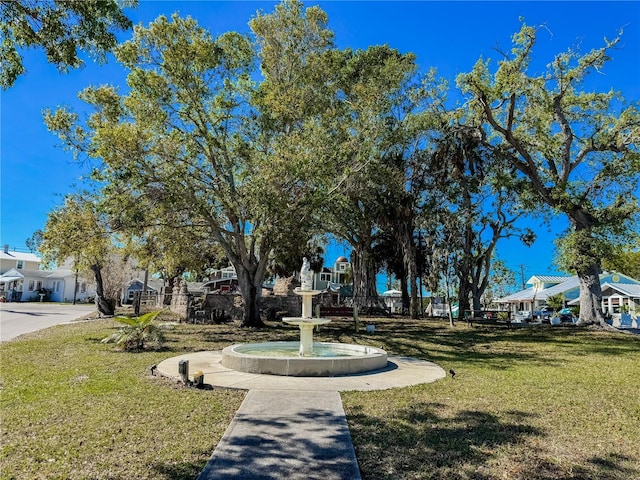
(535, 403)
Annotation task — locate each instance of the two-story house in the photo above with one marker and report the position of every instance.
(334, 277)
(22, 280)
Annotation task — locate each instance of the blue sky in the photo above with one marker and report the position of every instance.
(451, 36)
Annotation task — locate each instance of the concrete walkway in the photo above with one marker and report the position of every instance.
(292, 428)
(280, 434)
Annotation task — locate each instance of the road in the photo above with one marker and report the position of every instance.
(19, 318)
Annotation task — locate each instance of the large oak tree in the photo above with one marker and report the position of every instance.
(192, 139)
(576, 148)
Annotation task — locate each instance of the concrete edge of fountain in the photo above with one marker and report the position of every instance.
(399, 372)
(356, 359)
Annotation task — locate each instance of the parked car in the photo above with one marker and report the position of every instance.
(566, 316)
(522, 316)
(545, 314)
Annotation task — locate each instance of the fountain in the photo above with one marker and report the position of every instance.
(306, 357)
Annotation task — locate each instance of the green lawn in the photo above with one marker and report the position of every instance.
(534, 403)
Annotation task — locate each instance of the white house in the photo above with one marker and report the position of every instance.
(393, 300)
(619, 292)
(18, 260)
(21, 280)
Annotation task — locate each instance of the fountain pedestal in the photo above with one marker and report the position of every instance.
(306, 323)
(281, 358)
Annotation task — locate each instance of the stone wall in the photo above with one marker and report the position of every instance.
(283, 302)
(284, 287)
(180, 298)
(290, 306)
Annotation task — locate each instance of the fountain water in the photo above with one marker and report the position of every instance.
(306, 357)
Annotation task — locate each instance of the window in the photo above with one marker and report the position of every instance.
(343, 266)
(325, 277)
(56, 286)
(38, 284)
(31, 285)
(83, 287)
(20, 265)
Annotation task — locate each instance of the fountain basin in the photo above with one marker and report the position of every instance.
(283, 358)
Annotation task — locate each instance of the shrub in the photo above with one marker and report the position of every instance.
(137, 331)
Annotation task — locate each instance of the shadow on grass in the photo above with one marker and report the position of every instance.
(421, 443)
(178, 471)
(427, 339)
(425, 441)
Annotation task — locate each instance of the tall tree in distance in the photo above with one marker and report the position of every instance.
(79, 231)
(371, 89)
(578, 150)
(478, 190)
(62, 28)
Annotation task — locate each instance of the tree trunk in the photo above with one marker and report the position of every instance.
(365, 292)
(405, 236)
(105, 306)
(404, 288)
(250, 283)
(463, 299)
(587, 267)
(591, 297)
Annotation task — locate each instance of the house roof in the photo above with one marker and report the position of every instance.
(628, 289)
(547, 279)
(41, 273)
(392, 293)
(152, 283)
(11, 276)
(195, 286)
(526, 294)
(568, 284)
(12, 255)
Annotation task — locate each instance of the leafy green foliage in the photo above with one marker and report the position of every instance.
(137, 331)
(62, 28)
(79, 231)
(576, 149)
(624, 260)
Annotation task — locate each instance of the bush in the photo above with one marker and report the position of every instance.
(137, 331)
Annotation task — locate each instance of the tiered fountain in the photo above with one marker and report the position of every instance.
(305, 358)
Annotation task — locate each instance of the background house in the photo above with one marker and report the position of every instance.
(21, 280)
(392, 300)
(223, 280)
(154, 286)
(619, 291)
(332, 278)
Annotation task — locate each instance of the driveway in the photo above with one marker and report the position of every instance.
(24, 317)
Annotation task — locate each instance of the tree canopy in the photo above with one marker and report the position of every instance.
(62, 28)
(204, 159)
(79, 231)
(576, 148)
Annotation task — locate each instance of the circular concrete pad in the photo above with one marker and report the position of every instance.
(400, 372)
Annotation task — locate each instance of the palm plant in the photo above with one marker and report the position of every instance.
(556, 301)
(137, 331)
